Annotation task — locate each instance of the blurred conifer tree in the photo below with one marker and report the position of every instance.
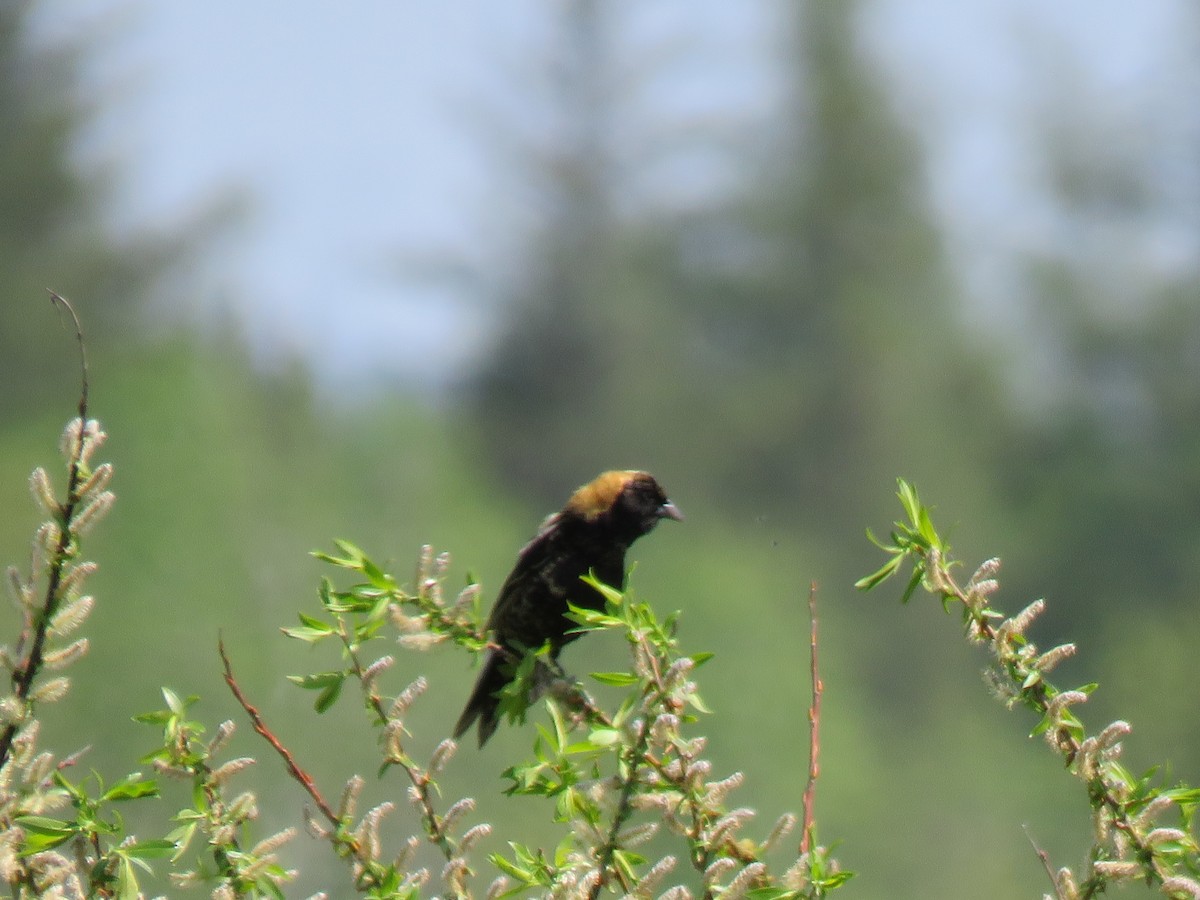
(792, 346)
(52, 233)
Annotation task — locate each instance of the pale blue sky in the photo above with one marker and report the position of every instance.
(355, 132)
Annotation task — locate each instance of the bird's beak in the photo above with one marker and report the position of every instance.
(670, 511)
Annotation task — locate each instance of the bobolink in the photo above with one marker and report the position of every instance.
(591, 534)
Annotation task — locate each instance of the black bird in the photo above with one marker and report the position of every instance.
(591, 533)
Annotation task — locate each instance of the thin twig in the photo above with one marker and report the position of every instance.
(59, 301)
(640, 754)
(420, 779)
(814, 726)
(621, 815)
(260, 726)
(1045, 858)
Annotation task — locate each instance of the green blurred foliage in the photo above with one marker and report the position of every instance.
(785, 353)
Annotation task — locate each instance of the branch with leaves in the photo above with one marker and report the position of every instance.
(1131, 842)
(614, 778)
(62, 837)
(42, 852)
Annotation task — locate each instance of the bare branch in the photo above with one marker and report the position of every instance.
(256, 719)
(814, 726)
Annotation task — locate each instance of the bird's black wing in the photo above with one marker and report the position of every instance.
(530, 604)
(527, 612)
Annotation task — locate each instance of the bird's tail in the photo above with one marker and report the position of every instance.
(484, 704)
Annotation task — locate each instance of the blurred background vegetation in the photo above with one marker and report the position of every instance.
(777, 354)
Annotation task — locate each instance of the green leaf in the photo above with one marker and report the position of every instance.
(591, 619)
(351, 550)
(43, 825)
(1183, 796)
(836, 879)
(158, 717)
(133, 787)
(76, 792)
(313, 629)
(626, 860)
(174, 703)
(618, 679)
(880, 575)
(317, 680)
(149, 849)
(604, 737)
(308, 635)
(908, 499)
(328, 697)
(926, 529)
(328, 683)
(887, 548)
(127, 883)
(607, 591)
(771, 893)
(511, 869)
(182, 837)
(375, 575)
(351, 559)
(561, 734)
(913, 583)
(42, 833)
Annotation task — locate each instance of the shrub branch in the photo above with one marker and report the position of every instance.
(1129, 843)
(24, 675)
(808, 805)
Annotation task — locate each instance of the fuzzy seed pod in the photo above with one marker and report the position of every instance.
(97, 481)
(442, 754)
(74, 577)
(50, 691)
(71, 615)
(372, 672)
(718, 869)
(653, 878)
(350, 794)
(268, 846)
(1177, 884)
(43, 494)
(60, 659)
(456, 812)
(716, 791)
(742, 883)
(90, 515)
(783, 827)
(20, 591)
(406, 698)
(473, 836)
(221, 737)
(1117, 869)
(223, 773)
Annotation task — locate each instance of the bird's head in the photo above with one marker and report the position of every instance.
(633, 501)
